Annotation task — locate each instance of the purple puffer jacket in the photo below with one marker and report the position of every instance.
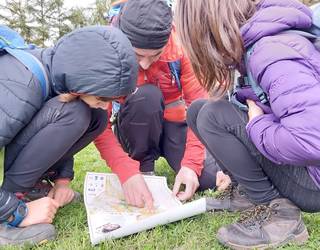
(287, 67)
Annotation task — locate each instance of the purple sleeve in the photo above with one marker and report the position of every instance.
(291, 134)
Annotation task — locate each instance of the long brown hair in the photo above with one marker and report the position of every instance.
(210, 33)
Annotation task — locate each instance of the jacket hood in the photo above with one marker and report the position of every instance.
(274, 16)
(95, 60)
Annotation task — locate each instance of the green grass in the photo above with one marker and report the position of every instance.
(194, 233)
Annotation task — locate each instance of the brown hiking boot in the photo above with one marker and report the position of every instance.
(265, 227)
(232, 199)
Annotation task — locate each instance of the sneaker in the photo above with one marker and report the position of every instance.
(265, 226)
(232, 199)
(31, 235)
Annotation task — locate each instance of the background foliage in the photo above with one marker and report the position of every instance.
(42, 22)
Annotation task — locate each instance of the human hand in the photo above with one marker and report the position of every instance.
(61, 192)
(222, 181)
(40, 211)
(189, 178)
(136, 192)
(253, 110)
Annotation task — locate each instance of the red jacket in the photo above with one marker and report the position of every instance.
(159, 74)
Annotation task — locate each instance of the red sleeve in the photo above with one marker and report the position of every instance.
(112, 152)
(192, 90)
(194, 153)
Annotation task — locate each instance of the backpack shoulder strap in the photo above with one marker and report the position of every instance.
(249, 80)
(175, 69)
(10, 38)
(312, 34)
(34, 66)
(14, 44)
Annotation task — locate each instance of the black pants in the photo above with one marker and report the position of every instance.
(49, 141)
(221, 127)
(145, 135)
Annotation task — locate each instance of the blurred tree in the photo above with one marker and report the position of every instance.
(48, 18)
(42, 22)
(98, 12)
(15, 14)
(77, 18)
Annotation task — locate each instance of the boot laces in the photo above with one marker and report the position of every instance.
(226, 194)
(256, 215)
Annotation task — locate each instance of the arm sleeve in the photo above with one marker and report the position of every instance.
(291, 135)
(65, 170)
(8, 204)
(192, 90)
(111, 151)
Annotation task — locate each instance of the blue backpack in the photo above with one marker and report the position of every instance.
(313, 34)
(12, 43)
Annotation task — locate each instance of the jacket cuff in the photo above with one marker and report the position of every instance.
(65, 171)
(196, 169)
(8, 204)
(125, 172)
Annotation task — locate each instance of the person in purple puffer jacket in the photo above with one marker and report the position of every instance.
(273, 154)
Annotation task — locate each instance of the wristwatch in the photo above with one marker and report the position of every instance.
(18, 215)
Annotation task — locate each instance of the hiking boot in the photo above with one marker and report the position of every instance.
(232, 199)
(265, 227)
(31, 235)
(40, 190)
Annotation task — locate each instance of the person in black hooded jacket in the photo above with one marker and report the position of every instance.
(85, 69)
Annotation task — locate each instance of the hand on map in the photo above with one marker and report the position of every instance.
(62, 193)
(222, 181)
(254, 110)
(189, 178)
(136, 192)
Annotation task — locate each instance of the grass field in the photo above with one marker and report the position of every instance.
(194, 233)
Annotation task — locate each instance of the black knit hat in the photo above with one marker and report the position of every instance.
(147, 23)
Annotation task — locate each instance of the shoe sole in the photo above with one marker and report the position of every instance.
(214, 207)
(298, 239)
(34, 241)
(45, 241)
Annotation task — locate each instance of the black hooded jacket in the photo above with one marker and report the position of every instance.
(96, 60)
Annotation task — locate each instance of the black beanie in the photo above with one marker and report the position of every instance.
(147, 23)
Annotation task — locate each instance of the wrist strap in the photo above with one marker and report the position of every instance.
(19, 214)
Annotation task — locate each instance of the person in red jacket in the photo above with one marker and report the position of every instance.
(151, 122)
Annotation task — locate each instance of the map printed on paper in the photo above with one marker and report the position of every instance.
(109, 216)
